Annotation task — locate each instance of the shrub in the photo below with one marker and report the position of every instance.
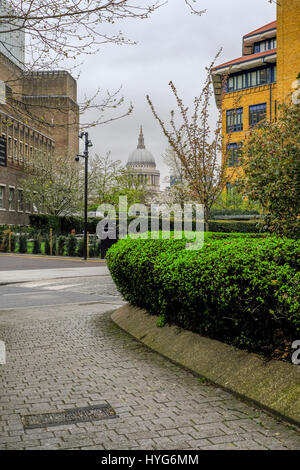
(233, 226)
(61, 241)
(36, 249)
(80, 247)
(47, 246)
(239, 289)
(4, 245)
(71, 244)
(23, 243)
(95, 248)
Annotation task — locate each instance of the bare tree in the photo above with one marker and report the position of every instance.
(57, 35)
(197, 146)
(178, 191)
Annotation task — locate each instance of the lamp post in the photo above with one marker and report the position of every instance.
(87, 144)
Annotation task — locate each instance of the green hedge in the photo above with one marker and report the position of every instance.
(240, 289)
(64, 225)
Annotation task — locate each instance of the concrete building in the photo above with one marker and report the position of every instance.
(258, 81)
(142, 164)
(38, 113)
(12, 37)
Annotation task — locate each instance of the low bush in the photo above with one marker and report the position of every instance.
(71, 245)
(240, 289)
(23, 243)
(95, 248)
(36, 248)
(61, 241)
(80, 247)
(233, 226)
(4, 241)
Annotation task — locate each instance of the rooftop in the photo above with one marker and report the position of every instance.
(262, 29)
(246, 58)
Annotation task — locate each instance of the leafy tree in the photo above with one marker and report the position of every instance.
(103, 173)
(271, 161)
(109, 180)
(53, 184)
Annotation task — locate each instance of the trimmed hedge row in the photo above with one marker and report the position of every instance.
(64, 225)
(243, 290)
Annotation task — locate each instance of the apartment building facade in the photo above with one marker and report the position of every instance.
(250, 88)
(38, 114)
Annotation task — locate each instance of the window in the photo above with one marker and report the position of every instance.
(233, 154)
(256, 77)
(2, 195)
(234, 120)
(15, 148)
(11, 199)
(262, 76)
(257, 113)
(9, 149)
(3, 153)
(20, 200)
(263, 46)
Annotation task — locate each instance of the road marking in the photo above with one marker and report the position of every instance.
(2, 353)
(20, 293)
(59, 287)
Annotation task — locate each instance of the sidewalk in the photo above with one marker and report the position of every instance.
(67, 357)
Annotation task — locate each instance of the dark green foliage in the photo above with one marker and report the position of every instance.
(236, 211)
(61, 224)
(61, 241)
(271, 176)
(36, 248)
(71, 245)
(80, 247)
(23, 243)
(95, 248)
(233, 226)
(54, 245)
(47, 246)
(240, 289)
(64, 225)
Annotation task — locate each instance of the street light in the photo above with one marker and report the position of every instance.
(87, 144)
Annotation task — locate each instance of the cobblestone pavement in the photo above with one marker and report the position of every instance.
(73, 356)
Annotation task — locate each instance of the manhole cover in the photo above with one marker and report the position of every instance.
(74, 415)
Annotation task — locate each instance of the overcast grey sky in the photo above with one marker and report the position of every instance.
(172, 45)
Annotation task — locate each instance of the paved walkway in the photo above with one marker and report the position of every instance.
(73, 356)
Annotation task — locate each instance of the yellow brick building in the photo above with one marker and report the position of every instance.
(258, 81)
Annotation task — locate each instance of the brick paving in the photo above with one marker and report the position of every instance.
(66, 356)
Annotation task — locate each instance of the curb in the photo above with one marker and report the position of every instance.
(270, 384)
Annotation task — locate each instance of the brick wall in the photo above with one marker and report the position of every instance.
(288, 46)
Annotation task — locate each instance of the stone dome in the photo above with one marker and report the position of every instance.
(141, 156)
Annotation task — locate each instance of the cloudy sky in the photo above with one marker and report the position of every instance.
(172, 45)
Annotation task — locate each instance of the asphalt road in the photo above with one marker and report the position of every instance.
(17, 262)
(76, 290)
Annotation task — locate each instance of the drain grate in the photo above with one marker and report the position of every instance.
(74, 415)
